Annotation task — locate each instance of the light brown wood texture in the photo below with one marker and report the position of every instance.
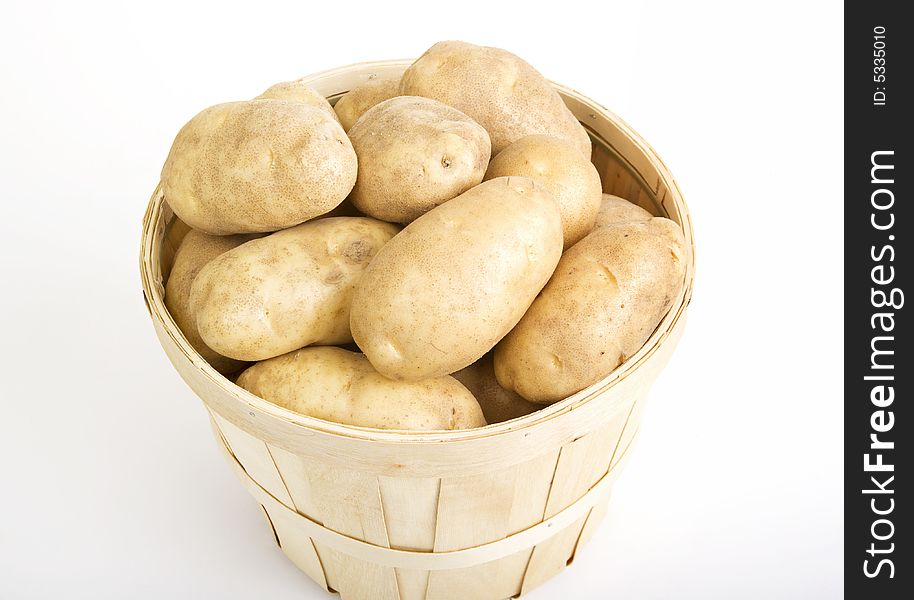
(487, 513)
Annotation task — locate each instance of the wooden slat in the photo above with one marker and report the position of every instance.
(668, 202)
(331, 562)
(631, 428)
(410, 512)
(626, 440)
(594, 519)
(295, 473)
(474, 510)
(531, 491)
(413, 584)
(350, 502)
(293, 542)
(637, 160)
(297, 546)
(581, 464)
(548, 559)
(410, 508)
(518, 503)
(619, 181)
(255, 457)
(493, 580)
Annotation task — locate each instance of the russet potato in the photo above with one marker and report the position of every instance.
(454, 281)
(258, 166)
(287, 290)
(296, 91)
(354, 103)
(561, 169)
(496, 89)
(197, 250)
(337, 385)
(614, 209)
(608, 293)
(497, 403)
(414, 154)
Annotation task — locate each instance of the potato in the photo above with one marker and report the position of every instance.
(498, 404)
(457, 279)
(287, 290)
(614, 209)
(609, 292)
(257, 166)
(195, 252)
(296, 91)
(414, 154)
(561, 169)
(337, 385)
(496, 89)
(354, 103)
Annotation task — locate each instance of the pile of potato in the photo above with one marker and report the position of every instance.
(432, 252)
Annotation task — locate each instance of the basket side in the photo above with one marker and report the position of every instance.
(485, 536)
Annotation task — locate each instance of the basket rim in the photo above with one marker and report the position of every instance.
(155, 304)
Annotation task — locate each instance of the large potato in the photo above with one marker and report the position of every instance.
(457, 279)
(609, 292)
(497, 403)
(561, 169)
(297, 91)
(257, 166)
(414, 154)
(197, 249)
(287, 290)
(496, 89)
(614, 209)
(337, 385)
(354, 103)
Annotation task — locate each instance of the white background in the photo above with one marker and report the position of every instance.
(111, 486)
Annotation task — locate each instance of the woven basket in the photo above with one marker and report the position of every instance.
(487, 513)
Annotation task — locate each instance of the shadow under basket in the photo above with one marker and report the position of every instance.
(486, 513)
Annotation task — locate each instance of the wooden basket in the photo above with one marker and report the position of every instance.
(486, 513)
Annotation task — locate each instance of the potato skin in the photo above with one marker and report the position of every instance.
(257, 166)
(496, 89)
(198, 249)
(296, 91)
(287, 290)
(414, 154)
(614, 209)
(498, 404)
(609, 292)
(341, 386)
(354, 103)
(457, 279)
(561, 169)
